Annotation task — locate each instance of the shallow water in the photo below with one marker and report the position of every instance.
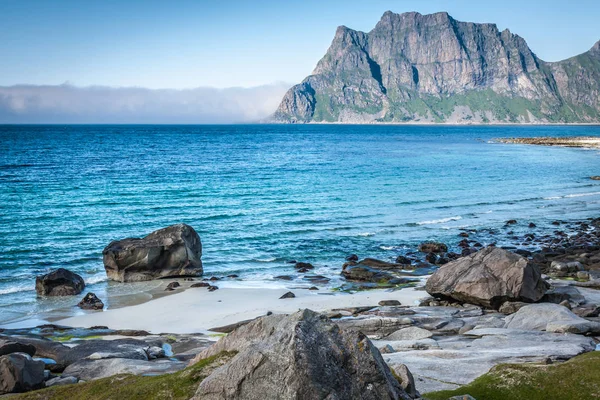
(261, 195)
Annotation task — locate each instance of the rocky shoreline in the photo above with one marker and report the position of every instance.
(588, 142)
(484, 306)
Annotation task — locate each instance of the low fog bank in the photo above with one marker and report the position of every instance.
(100, 104)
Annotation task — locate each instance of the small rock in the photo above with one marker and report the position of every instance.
(212, 288)
(463, 234)
(172, 286)
(511, 222)
(403, 260)
(583, 275)
(433, 247)
(303, 266)
(91, 302)
(284, 277)
(406, 380)
(233, 276)
(595, 178)
(313, 288)
(59, 381)
(532, 225)
(200, 284)
(352, 257)
(565, 303)
(288, 295)
(511, 307)
(410, 333)
(385, 303)
(60, 282)
(214, 278)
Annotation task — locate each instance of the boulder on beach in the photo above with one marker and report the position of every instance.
(168, 252)
(488, 278)
(363, 273)
(60, 282)
(20, 373)
(91, 302)
(550, 317)
(433, 247)
(301, 356)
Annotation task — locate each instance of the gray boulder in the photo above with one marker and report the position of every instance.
(410, 333)
(91, 302)
(60, 282)
(8, 346)
(406, 380)
(488, 278)
(300, 356)
(20, 373)
(168, 252)
(551, 318)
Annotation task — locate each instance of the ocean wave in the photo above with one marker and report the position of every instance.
(387, 247)
(15, 289)
(439, 221)
(366, 234)
(95, 279)
(265, 260)
(574, 195)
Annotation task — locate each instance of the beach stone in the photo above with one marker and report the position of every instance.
(59, 381)
(303, 266)
(168, 252)
(91, 302)
(89, 370)
(583, 275)
(380, 326)
(60, 282)
(433, 247)
(13, 346)
(511, 307)
(406, 380)
(560, 294)
(212, 288)
(200, 284)
(386, 303)
(43, 347)
(172, 286)
(410, 333)
(352, 257)
(288, 295)
(20, 373)
(359, 272)
(306, 351)
(488, 278)
(97, 349)
(566, 266)
(403, 260)
(551, 318)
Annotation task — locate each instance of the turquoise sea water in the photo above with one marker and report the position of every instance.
(261, 195)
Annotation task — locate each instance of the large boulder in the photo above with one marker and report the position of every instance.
(8, 346)
(488, 278)
(300, 356)
(60, 282)
(20, 373)
(168, 252)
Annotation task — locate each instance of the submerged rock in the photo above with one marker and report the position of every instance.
(168, 252)
(300, 356)
(60, 282)
(489, 278)
(433, 247)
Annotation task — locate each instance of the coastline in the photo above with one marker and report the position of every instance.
(197, 311)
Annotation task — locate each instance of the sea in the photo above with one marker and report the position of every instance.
(261, 196)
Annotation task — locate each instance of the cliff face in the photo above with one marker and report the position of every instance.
(432, 68)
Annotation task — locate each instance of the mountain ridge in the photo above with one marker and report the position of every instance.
(433, 68)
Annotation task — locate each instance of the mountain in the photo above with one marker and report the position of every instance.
(433, 68)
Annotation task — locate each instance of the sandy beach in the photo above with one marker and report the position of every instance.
(197, 310)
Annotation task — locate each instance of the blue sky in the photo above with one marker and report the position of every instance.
(186, 44)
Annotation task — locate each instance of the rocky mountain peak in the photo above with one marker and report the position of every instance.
(416, 67)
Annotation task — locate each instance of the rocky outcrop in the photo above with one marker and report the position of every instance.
(489, 278)
(303, 355)
(550, 318)
(433, 68)
(8, 346)
(60, 282)
(20, 373)
(168, 252)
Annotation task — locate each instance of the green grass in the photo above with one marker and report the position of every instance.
(576, 379)
(178, 386)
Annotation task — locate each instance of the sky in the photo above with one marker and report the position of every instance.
(190, 44)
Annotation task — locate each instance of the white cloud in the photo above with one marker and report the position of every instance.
(100, 104)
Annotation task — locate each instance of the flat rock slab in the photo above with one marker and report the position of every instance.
(410, 333)
(461, 359)
(552, 318)
(88, 370)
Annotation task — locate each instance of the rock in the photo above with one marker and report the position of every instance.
(595, 178)
(20, 373)
(433, 247)
(511, 307)
(406, 380)
(363, 273)
(168, 252)
(43, 347)
(511, 222)
(463, 235)
(91, 302)
(403, 260)
(59, 381)
(8, 346)
(562, 266)
(583, 275)
(565, 303)
(288, 295)
(352, 257)
(231, 327)
(385, 303)
(60, 282)
(380, 326)
(172, 286)
(410, 333)
(306, 351)
(303, 265)
(563, 293)
(551, 318)
(89, 370)
(488, 278)
(233, 276)
(212, 288)
(313, 288)
(532, 225)
(97, 349)
(200, 284)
